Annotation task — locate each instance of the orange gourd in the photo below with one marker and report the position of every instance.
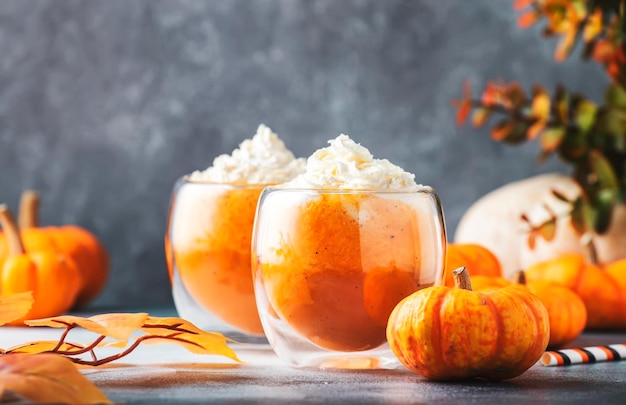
(566, 310)
(601, 290)
(477, 259)
(446, 333)
(82, 246)
(481, 283)
(53, 278)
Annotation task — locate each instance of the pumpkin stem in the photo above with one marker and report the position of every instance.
(28, 214)
(12, 232)
(592, 253)
(462, 279)
(520, 278)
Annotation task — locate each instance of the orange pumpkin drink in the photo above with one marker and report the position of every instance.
(335, 249)
(210, 231)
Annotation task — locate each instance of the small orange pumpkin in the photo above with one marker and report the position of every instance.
(76, 242)
(448, 333)
(599, 290)
(477, 259)
(53, 278)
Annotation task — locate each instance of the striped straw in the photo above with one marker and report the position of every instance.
(591, 354)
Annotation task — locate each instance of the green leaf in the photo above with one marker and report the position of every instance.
(585, 114)
(603, 170)
(561, 104)
(615, 96)
(582, 216)
(603, 208)
(573, 146)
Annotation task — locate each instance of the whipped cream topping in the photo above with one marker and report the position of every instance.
(346, 165)
(264, 159)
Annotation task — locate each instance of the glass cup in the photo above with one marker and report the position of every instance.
(330, 266)
(207, 248)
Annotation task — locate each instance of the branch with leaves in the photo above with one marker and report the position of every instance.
(588, 136)
(45, 371)
(116, 330)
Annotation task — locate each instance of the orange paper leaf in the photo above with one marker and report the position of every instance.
(47, 378)
(192, 338)
(14, 306)
(121, 327)
(117, 326)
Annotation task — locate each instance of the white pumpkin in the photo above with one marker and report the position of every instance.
(494, 221)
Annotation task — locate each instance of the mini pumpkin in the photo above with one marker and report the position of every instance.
(73, 241)
(53, 278)
(477, 259)
(448, 333)
(600, 291)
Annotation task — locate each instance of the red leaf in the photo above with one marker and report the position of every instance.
(528, 19)
(520, 4)
(464, 110)
(501, 130)
(535, 129)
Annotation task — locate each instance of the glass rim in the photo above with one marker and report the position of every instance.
(187, 179)
(420, 189)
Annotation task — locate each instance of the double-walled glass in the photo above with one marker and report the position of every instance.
(330, 266)
(208, 253)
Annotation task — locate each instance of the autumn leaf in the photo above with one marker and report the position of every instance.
(120, 327)
(195, 339)
(48, 378)
(14, 306)
(43, 346)
(116, 325)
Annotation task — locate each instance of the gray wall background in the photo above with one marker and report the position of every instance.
(104, 104)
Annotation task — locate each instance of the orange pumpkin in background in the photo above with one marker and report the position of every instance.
(601, 290)
(566, 310)
(53, 278)
(448, 333)
(85, 250)
(483, 283)
(477, 259)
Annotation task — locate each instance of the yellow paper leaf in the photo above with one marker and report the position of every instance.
(14, 306)
(191, 337)
(117, 325)
(41, 346)
(47, 378)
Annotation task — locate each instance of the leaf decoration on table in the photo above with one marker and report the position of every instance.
(14, 306)
(126, 331)
(47, 378)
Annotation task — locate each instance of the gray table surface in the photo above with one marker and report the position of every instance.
(164, 374)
